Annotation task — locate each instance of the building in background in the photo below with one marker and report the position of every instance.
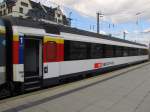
(33, 10)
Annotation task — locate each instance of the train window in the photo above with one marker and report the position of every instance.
(133, 52)
(130, 51)
(51, 51)
(136, 52)
(144, 52)
(88, 50)
(125, 51)
(109, 51)
(2, 50)
(78, 50)
(118, 51)
(75, 50)
(96, 51)
(139, 51)
(66, 50)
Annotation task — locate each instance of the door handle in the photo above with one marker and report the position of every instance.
(46, 69)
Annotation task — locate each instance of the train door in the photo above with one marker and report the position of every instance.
(53, 54)
(32, 64)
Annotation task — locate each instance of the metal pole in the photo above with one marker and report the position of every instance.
(124, 35)
(98, 14)
(70, 19)
(149, 51)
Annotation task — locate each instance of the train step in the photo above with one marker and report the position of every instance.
(32, 77)
(32, 88)
(30, 83)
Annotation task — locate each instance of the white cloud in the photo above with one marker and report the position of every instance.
(146, 30)
(103, 32)
(126, 31)
(114, 10)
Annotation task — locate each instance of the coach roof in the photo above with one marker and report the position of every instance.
(57, 29)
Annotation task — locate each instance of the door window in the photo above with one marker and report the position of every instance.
(51, 51)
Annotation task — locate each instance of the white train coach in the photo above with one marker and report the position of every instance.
(34, 54)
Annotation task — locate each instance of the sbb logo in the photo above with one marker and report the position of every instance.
(98, 65)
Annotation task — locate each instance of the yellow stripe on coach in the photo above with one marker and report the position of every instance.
(16, 37)
(2, 30)
(54, 39)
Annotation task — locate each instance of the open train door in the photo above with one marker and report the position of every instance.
(32, 63)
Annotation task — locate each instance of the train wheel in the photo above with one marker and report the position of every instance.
(5, 91)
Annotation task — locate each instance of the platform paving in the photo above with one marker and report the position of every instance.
(126, 90)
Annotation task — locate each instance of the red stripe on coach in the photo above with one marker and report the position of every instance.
(15, 52)
(60, 52)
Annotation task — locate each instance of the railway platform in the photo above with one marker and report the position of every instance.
(125, 90)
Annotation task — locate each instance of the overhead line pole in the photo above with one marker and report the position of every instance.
(98, 14)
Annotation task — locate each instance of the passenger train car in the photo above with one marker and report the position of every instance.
(34, 54)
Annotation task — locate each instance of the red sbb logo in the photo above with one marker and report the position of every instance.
(98, 65)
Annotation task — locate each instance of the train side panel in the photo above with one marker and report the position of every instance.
(94, 64)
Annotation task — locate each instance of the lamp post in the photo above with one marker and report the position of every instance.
(138, 25)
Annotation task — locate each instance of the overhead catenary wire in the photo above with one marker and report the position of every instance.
(106, 20)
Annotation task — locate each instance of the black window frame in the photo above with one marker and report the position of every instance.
(4, 12)
(1, 13)
(10, 10)
(24, 4)
(76, 50)
(125, 51)
(103, 51)
(97, 51)
(109, 51)
(21, 10)
(118, 51)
